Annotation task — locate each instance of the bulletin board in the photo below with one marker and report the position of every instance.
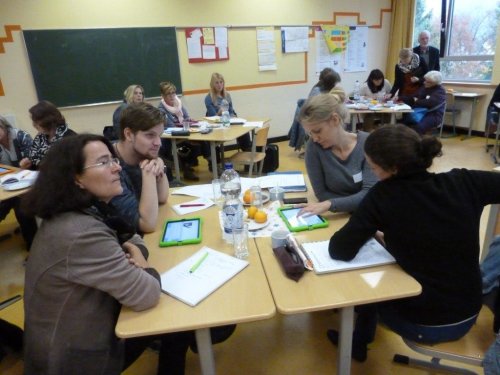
(206, 44)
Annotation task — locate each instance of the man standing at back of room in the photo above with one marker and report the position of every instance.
(145, 185)
(427, 52)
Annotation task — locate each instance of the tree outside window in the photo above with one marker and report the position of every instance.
(470, 36)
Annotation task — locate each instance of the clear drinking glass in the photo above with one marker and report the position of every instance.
(240, 242)
(217, 197)
(186, 125)
(256, 196)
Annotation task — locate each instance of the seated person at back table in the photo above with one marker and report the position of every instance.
(431, 96)
(51, 127)
(378, 88)
(143, 178)
(213, 102)
(14, 146)
(174, 113)
(132, 94)
(86, 263)
(328, 79)
(335, 160)
(430, 223)
(409, 74)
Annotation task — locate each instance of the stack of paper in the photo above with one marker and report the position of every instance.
(371, 254)
(194, 279)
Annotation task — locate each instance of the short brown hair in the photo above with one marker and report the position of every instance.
(167, 88)
(139, 117)
(46, 115)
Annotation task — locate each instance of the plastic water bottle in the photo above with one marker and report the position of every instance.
(232, 209)
(356, 91)
(225, 116)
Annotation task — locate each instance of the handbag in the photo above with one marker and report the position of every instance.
(417, 115)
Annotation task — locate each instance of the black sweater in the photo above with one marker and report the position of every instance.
(431, 227)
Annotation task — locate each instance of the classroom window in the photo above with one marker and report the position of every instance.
(467, 39)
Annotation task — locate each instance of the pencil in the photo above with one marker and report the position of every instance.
(198, 263)
(192, 205)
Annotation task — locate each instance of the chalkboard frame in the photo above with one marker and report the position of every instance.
(75, 67)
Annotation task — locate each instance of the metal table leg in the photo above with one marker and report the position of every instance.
(204, 343)
(345, 340)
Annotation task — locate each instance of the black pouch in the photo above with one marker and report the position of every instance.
(290, 262)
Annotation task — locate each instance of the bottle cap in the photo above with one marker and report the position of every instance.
(228, 165)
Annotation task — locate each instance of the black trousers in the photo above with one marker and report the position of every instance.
(27, 224)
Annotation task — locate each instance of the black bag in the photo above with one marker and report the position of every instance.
(272, 160)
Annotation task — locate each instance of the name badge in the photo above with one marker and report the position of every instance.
(358, 177)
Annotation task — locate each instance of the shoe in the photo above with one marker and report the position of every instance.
(189, 175)
(359, 350)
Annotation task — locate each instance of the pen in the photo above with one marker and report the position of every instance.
(198, 262)
(192, 205)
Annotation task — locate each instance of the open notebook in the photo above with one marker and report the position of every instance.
(211, 270)
(371, 254)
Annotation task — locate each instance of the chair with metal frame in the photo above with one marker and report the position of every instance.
(451, 110)
(253, 157)
(470, 349)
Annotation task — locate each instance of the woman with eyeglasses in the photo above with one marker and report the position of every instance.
(86, 262)
(335, 160)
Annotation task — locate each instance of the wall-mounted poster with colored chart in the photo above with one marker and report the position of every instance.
(336, 37)
(206, 44)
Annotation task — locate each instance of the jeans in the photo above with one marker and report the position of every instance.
(491, 361)
(368, 315)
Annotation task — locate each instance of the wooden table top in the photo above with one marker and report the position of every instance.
(244, 298)
(5, 194)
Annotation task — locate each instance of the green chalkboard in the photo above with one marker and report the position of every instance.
(87, 66)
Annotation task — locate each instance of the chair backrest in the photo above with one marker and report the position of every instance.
(450, 101)
(261, 136)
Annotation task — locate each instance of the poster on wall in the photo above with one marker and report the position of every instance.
(266, 48)
(355, 60)
(336, 37)
(324, 57)
(206, 44)
(294, 39)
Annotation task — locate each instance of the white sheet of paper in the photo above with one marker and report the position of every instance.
(187, 210)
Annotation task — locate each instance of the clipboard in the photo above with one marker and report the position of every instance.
(296, 223)
(181, 232)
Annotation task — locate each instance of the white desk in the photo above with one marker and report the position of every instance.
(474, 98)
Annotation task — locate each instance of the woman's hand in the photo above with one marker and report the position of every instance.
(379, 236)
(25, 163)
(315, 208)
(134, 255)
(414, 79)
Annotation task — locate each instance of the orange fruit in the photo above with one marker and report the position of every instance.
(260, 217)
(252, 210)
(247, 196)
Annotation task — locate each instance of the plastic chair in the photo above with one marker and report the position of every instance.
(253, 157)
(451, 110)
(470, 349)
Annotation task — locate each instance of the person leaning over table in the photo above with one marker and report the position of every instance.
(14, 146)
(409, 74)
(86, 263)
(378, 88)
(51, 127)
(431, 96)
(132, 94)
(335, 160)
(175, 113)
(145, 185)
(213, 102)
(430, 225)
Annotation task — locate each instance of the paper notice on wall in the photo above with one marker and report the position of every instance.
(325, 58)
(356, 49)
(266, 48)
(295, 39)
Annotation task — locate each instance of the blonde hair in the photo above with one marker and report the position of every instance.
(405, 53)
(128, 94)
(321, 107)
(167, 88)
(213, 92)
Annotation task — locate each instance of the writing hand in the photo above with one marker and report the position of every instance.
(25, 163)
